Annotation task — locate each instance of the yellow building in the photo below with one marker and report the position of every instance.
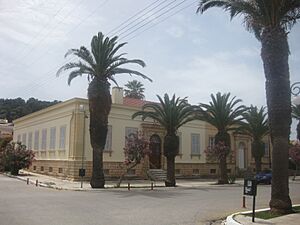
(59, 136)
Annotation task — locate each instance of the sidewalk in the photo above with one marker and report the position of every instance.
(60, 184)
(291, 219)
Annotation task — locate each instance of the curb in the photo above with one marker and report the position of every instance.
(231, 221)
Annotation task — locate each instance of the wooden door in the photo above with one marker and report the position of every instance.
(155, 152)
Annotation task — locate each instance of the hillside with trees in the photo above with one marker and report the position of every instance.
(12, 109)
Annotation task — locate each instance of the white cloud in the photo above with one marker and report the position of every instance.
(175, 31)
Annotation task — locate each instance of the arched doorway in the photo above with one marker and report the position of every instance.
(241, 155)
(155, 149)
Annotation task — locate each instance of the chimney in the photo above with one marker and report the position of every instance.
(117, 95)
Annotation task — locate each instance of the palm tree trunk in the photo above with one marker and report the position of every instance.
(170, 182)
(298, 131)
(171, 149)
(99, 105)
(223, 179)
(257, 164)
(275, 53)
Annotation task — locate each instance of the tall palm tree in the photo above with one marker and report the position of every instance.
(256, 126)
(100, 65)
(225, 115)
(171, 114)
(296, 115)
(271, 22)
(135, 89)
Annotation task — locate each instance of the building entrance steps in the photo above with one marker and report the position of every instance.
(157, 174)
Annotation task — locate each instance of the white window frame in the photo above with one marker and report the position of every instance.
(267, 149)
(29, 141)
(211, 141)
(108, 144)
(52, 143)
(24, 137)
(62, 137)
(130, 130)
(195, 144)
(36, 140)
(44, 139)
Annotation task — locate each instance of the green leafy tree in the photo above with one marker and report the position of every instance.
(271, 22)
(100, 65)
(224, 114)
(256, 126)
(296, 115)
(12, 109)
(135, 90)
(171, 114)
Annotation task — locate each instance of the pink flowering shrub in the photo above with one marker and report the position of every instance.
(294, 153)
(136, 148)
(15, 156)
(217, 152)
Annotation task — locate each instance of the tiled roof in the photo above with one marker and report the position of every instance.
(134, 102)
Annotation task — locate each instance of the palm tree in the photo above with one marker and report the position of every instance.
(225, 115)
(135, 90)
(100, 65)
(171, 114)
(256, 126)
(271, 22)
(296, 115)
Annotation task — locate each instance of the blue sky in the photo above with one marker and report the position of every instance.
(187, 54)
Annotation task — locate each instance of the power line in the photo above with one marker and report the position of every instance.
(37, 85)
(160, 15)
(51, 30)
(149, 6)
(161, 21)
(34, 61)
(120, 25)
(44, 28)
(139, 17)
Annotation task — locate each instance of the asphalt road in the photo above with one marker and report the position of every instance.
(22, 204)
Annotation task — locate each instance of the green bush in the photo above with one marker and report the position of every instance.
(15, 156)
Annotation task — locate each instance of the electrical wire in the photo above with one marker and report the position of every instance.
(38, 85)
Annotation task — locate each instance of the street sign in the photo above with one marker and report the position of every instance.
(81, 172)
(250, 187)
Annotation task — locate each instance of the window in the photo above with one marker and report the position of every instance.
(36, 140)
(213, 171)
(52, 138)
(42, 168)
(108, 139)
(60, 170)
(50, 169)
(29, 141)
(180, 142)
(24, 139)
(44, 139)
(211, 141)
(62, 137)
(130, 130)
(267, 149)
(19, 138)
(196, 171)
(195, 144)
